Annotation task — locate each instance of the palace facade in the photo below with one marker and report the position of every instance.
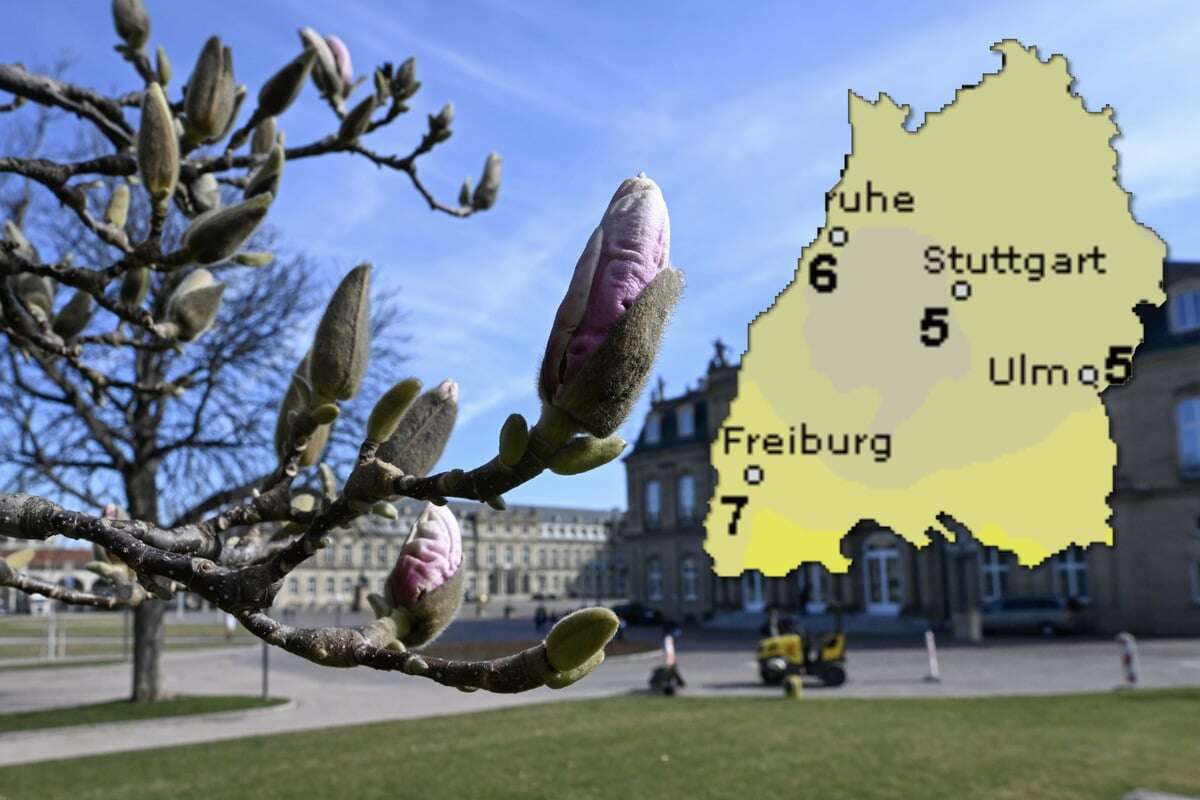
(1147, 583)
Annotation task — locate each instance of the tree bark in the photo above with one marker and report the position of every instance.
(141, 493)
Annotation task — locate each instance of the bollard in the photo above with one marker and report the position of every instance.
(793, 686)
(1129, 658)
(934, 675)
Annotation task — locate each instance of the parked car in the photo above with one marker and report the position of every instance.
(638, 614)
(1048, 616)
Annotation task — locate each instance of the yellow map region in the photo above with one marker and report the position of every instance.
(945, 340)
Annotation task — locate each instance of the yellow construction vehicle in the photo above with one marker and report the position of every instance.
(821, 655)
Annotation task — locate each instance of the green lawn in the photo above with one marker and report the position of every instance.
(1087, 746)
(111, 625)
(124, 711)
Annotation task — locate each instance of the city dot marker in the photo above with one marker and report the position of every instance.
(838, 236)
(754, 475)
(961, 290)
(1088, 375)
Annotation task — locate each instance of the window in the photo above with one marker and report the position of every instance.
(542, 558)
(1071, 572)
(491, 555)
(330, 585)
(653, 579)
(1187, 428)
(347, 585)
(327, 556)
(653, 505)
(813, 582)
(383, 559)
(993, 574)
(347, 553)
(1194, 575)
(525, 555)
(685, 421)
(508, 555)
(312, 585)
(294, 585)
(687, 497)
(687, 577)
(366, 554)
(653, 432)
(1184, 311)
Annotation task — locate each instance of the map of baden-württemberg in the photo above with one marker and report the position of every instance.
(946, 337)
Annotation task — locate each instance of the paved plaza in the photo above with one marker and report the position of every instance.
(713, 664)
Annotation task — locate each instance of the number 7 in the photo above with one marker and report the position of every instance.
(738, 501)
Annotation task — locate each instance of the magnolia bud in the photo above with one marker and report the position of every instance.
(342, 341)
(24, 250)
(135, 285)
(216, 235)
(74, 316)
(205, 192)
(405, 83)
(316, 445)
(295, 398)
(254, 259)
(329, 483)
(162, 66)
(208, 103)
(158, 148)
(264, 137)
(439, 126)
(489, 184)
(514, 439)
(388, 410)
(239, 96)
(561, 680)
(423, 431)
(427, 579)
(464, 193)
(355, 123)
(131, 21)
(193, 306)
(385, 509)
(383, 86)
(117, 210)
(585, 453)
(607, 330)
(36, 293)
(579, 636)
(325, 68)
(266, 178)
(282, 88)
(345, 70)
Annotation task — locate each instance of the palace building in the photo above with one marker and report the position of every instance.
(521, 553)
(1147, 583)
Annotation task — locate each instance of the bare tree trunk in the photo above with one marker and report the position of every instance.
(142, 495)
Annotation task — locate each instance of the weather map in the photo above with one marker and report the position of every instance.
(947, 335)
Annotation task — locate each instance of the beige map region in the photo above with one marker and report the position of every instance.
(996, 418)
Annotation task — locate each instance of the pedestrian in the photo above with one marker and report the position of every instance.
(666, 677)
(539, 617)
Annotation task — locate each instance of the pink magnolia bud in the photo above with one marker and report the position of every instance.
(427, 579)
(341, 56)
(626, 254)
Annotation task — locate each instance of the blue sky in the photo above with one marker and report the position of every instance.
(738, 111)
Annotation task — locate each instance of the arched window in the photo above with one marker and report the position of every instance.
(687, 578)
(993, 574)
(653, 501)
(884, 581)
(1071, 572)
(653, 579)
(686, 497)
(1187, 431)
